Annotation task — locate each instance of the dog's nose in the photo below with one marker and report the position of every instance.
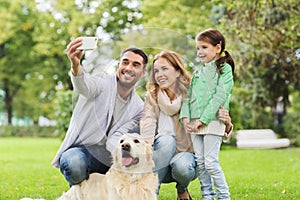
(126, 147)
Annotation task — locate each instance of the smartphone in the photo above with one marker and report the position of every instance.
(88, 43)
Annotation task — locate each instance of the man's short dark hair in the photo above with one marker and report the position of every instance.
(136, 51)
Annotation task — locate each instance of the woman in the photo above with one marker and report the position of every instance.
(172, 147)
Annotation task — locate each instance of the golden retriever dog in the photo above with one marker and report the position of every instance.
(130, 176)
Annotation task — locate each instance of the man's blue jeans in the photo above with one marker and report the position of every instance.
(171, 167)
(78, 162)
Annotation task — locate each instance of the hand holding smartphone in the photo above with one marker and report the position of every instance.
(88, 43)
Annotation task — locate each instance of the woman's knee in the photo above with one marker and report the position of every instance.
(183, 166)
(164, 149)
(165, 143)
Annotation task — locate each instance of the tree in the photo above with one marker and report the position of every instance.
(267, 45)
(15, 45)
(187, 17)
(33, 42)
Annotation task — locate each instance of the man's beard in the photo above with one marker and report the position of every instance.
(125, 76)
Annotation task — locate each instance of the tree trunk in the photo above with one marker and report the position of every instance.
(8, 101)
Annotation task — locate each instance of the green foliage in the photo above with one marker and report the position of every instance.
(291, 127)
(15, 45)
(64, 104)
(34, 102)
(264, 38)
(292, 120)
(120, 16)
(28, 131)
(33, 39)
(188, 17)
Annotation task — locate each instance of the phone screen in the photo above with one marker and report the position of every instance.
(88, 43)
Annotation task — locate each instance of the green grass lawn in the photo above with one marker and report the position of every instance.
(251, 174)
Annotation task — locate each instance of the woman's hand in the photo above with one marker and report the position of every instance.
(224, 116)
(186, 125)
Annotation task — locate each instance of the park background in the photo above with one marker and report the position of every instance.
(36, 97)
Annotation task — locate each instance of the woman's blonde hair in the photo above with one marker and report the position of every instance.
(183, 81)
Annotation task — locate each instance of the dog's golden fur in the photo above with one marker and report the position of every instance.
(130, 176)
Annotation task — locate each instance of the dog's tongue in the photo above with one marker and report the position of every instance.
(126, 161)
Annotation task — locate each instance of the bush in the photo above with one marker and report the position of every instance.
(291, 120)
(64, 104)
(28, 131)
(291, 127)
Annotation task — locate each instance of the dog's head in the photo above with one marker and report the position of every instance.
(133, 154)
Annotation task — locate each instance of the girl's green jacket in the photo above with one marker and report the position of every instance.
(209, 89)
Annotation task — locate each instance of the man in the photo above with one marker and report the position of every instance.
(107, 108)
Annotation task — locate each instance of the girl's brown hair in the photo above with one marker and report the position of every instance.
(215, 37)
(183, 81)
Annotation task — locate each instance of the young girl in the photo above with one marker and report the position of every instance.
(210, 89)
